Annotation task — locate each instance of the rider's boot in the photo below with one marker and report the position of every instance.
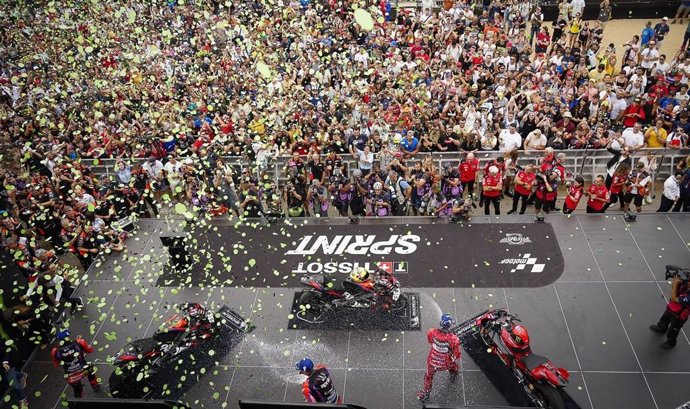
(662, 326)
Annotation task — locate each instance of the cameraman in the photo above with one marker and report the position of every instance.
(339, 186)
(400, 192)
(677, 310)
(452, 187)
(317, 197)
(358, 193)
(294, 196)
(420, 193)
(379, 202)
(547, 186)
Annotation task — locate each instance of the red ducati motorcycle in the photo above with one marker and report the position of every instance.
(322, 295)
(140, 360)
(509, 341)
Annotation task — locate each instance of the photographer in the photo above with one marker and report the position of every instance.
(547, 186)
(420, 193)
(400, 192)
(379, 202)
(317, 197)
(677, 309)
(450, 181)
(294, 195)
(339, 187)
(359, 190)
(438, 203)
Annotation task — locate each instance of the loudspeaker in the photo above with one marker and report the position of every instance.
(179, 258)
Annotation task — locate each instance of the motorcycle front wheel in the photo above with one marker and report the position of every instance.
(400, 304)
(551, 398)
(311, 307)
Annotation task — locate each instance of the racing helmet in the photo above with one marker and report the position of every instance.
(195, 310)
(684, 300)
(358, 275)
(446, 321)
(378, 185)
(520, 334)
(305, 365)
(63, 334)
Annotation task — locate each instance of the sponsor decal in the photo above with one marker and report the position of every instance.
(413, 306)
(525, 262)
(516, 239)
(355, 244)
(345, 267)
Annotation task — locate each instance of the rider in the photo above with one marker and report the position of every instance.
(192, 316)
(318, 387)
(516, 339)
(445, 350)
(361, 282)
(676, 313)
(71, 355)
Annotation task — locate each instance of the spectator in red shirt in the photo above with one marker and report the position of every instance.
(468, 173)
(523, 188)
(492, 185)
(633, 113)
(598, 196)
(575, 192)
(617, 183)
(547, 187)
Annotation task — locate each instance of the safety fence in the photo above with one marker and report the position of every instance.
(586, 163)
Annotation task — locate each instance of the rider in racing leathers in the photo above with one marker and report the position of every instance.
(676, 313)
(516, 339)
(318, 387)
(445, 350)
(71, 356)
(360, 283)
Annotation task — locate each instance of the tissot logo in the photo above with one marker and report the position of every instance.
(516, 239)
(355, 244)
(315, 267)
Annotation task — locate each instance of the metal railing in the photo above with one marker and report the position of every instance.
(585, 163)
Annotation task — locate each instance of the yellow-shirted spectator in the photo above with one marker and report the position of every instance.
(655, 137)
(598, 73)
(257, 125)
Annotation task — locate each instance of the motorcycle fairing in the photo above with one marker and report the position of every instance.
(541, 373)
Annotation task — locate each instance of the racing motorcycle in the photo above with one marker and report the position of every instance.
(322, 296)
(191, 327)
(539, 377)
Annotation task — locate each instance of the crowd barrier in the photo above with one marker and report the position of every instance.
(586, 163)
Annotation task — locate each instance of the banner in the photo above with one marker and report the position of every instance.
(420, 255)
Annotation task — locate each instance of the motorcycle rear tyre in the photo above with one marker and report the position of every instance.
(550, 395)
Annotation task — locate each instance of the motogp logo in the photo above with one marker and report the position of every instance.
(524, 263)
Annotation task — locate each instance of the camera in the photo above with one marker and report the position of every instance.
(675, 271)
(423, 205)
(391, 190)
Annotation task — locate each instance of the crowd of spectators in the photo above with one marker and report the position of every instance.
(170, 89)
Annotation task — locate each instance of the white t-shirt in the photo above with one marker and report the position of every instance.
(508, 142)
(652, 53)
(631, 138)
